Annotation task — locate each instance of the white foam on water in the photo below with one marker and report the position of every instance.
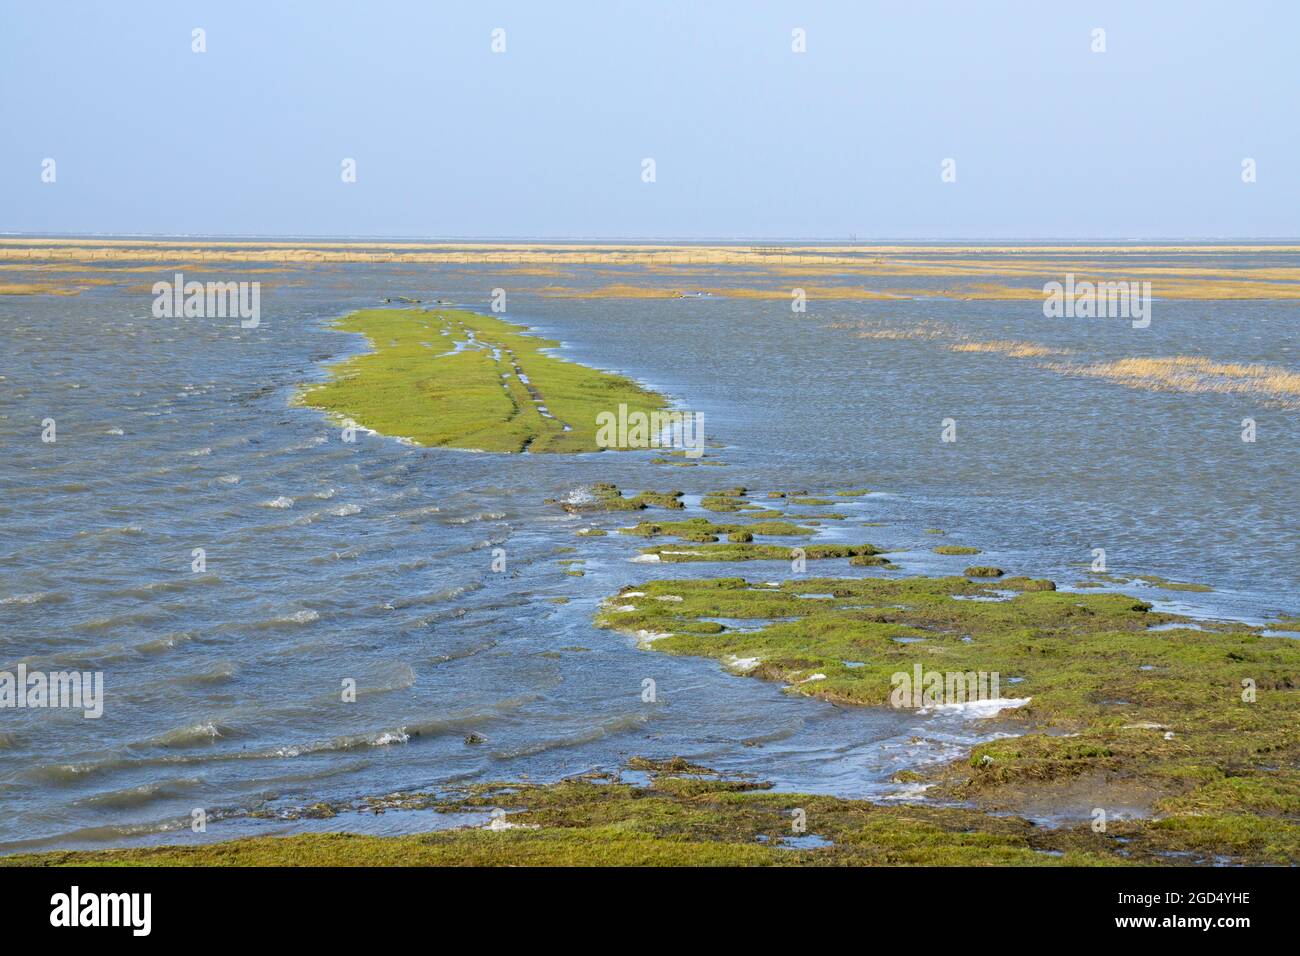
(645, 638)
(909, 791)
(978, 709)
(305, 616)
(501, 823)
(34, 598)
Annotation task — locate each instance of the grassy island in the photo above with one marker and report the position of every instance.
(453, 378)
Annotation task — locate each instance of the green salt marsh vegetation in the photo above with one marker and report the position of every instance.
(683, 814)
(728, 500)
(679, 459)
(861, 555)
(1153, 580)
(1197, 728)
(603, 496)
(704, 530)
(454, 378)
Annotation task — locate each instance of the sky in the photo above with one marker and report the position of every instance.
(1048, 138)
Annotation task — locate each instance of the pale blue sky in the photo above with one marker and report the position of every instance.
(750, 139)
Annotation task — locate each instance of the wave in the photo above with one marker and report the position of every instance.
(417, 513)
(350, 555)
(126, 531)
(301, 616)
(143, 794)
(64, 774)
(434, 597)
(204, 732)
(395, 677)
(100, 834)
(454, 725)
(165, 643)
(36, 597)
(464, 652)
(210, 731)
(218, 673)
(166, 586)
(606, 728)
(479, 516)
(118, 620)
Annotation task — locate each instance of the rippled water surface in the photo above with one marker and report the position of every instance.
(372, 561)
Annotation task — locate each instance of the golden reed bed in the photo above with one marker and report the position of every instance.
(644, 270)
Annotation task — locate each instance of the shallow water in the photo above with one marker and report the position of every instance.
(372, 561)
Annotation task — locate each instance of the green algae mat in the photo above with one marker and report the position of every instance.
(457, 379)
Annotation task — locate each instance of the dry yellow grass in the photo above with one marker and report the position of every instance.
(1277, 386)
(613, 291)
(28, 288)
(1009, 348)
(954, 341)
(930, 331)
(1207, 289)
(625, 290)
(647, 270)
(1274, 385)
(1044, 269)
